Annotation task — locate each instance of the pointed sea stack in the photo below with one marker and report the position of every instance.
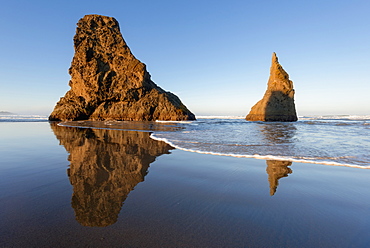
(108, 82)
(278, 102)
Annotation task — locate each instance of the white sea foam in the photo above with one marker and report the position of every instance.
(264, 157)
(219, 117)
(159, 121)
(341, 142)
(23, 118)
(335, 117)
(315, 141)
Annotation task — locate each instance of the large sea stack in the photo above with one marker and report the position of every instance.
(108, 82)
(278, 102)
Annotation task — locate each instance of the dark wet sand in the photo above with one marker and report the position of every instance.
(103, 188)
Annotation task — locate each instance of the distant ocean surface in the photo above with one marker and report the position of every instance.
(333, 140)
(22, 118)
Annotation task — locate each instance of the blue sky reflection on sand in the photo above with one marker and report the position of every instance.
(186, 199)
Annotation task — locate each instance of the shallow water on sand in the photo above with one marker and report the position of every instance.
(65, 186)
(331, 140)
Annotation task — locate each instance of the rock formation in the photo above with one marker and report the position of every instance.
(277, 169)
(108, 82)
(278, 102)
(6, 113)
(105, 165)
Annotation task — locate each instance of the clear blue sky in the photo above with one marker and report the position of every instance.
(215, 55)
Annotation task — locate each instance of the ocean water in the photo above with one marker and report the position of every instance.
(332, 140)
(22, 118)
(342, 140)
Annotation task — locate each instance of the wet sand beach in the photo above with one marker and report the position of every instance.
(73, 187)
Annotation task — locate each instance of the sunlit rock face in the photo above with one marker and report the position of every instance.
(105, 165)
(108, 82)
(278, 102)
(277, 169)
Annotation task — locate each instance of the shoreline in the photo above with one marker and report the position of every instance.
(262, 157)
(159, 126)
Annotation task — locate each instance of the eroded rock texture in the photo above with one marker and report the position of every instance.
(108, 82)
(105, 165)
(278, 102)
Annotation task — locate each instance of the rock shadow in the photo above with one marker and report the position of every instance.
(105, 166)
(280, 107)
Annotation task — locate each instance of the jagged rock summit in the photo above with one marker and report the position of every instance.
(278, 102)
(108, 82)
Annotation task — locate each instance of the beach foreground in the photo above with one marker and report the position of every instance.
(66, 186)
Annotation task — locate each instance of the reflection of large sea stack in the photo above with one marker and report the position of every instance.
(108, 82)
(276, 170)
(278, 102)
(105, 165)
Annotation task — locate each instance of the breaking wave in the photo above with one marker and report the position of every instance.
(330, 140)
(23, 118)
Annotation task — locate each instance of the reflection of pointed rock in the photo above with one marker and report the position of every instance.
(277, 169)
(278, 102)
(105, 166)
(278, 133)
(108, 82)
